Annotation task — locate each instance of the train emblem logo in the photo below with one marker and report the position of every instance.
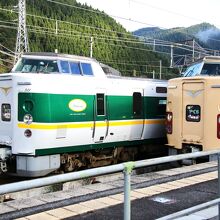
(194, 93)
(5, 90)
(77, 105)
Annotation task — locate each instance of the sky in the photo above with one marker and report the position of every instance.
(160, 13)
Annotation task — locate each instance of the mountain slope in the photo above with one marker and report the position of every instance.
(205, 34)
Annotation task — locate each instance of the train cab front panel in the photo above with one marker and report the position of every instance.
(193, 113)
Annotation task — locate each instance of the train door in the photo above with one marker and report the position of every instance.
(192, 112)
(101, 123)
(137, 125)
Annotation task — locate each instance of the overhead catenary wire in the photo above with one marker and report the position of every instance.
(165, 42)
(7, 61)
(6, 53)
(106, 37)
(97, 28)
(128, 40)
(128, 19)
(87, 36)
(1, 45)
(130, 64)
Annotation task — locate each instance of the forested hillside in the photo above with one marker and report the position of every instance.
(205, 34)
(69, 29)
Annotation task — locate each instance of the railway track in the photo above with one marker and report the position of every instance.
(138, 174)
(159, 150)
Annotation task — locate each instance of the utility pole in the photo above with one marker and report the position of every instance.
(154, 46)
(22, 38)
(56, 33)
(160, 69)
(193, 54)
(91, 47)
(171, 55)
(56, 28)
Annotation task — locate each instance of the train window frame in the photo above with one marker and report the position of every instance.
(137, 104)
(34, 65)
(161, 89)
(84, 69)
(61, 68)
(193, 119)
(5, 107)
(100, 104)
(79, 68)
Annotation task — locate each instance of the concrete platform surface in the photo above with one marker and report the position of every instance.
(150, 202)
(152, 197)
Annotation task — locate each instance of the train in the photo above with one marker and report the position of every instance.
(64, 112)
(193, 109)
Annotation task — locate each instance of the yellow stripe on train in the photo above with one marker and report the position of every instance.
(51, 126)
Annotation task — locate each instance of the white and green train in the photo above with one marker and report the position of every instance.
(64, 112)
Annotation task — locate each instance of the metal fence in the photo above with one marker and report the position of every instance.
(125, 167)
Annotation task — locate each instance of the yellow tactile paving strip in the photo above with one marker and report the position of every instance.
(104, 202)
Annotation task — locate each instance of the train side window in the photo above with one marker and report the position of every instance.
(87, 69)
(162, 107)
(100, 103)
(160, 89)
(75, 68)
(137, 104)
(65, 67)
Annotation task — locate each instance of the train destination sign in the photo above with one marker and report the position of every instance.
(193, 113)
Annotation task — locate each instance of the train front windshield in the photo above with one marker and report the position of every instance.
(193, 70)
(36, 66)
(212, 69)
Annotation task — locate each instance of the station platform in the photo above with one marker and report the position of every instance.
(153, 196)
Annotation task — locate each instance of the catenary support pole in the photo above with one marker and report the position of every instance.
(160, 69)
(91, 47)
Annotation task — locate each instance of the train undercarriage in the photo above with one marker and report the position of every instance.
(29, 166)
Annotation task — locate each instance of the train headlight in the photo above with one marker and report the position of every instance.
(218, 126)
(6, 112)
(28, 133)
(169, 123)
(169, 117)
(28, 119)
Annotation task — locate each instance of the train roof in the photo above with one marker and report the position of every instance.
(194, 78)
(108, 71)
(211, 59)
(208, 59)
(57, 55)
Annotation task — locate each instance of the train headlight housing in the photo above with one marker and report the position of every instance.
(169, 123)
(218, 126)
(27, 133)
(28, 119)
(6, 112)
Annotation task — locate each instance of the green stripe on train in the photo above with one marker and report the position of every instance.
(54, 108)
